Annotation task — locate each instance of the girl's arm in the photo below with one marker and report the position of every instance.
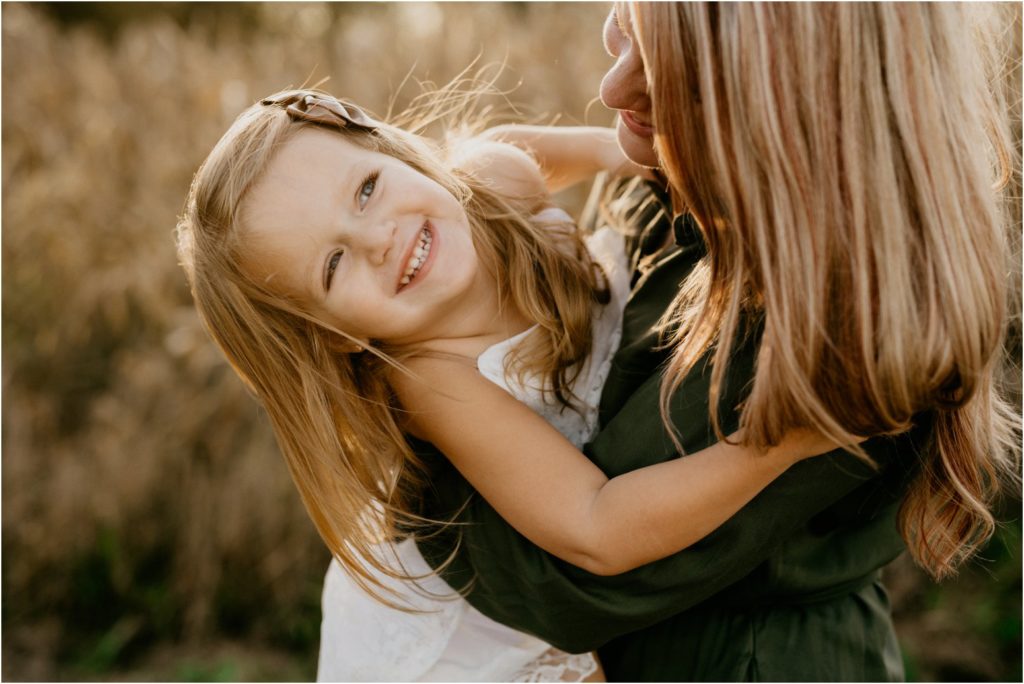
(552, 494)
(569, 154)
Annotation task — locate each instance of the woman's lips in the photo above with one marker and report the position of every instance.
(638, 127)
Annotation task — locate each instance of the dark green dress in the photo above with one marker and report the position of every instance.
(785, 590)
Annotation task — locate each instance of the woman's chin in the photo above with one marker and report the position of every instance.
(638, 149)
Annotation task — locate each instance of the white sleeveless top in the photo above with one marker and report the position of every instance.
(364, 640)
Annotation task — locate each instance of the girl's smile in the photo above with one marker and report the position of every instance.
(419, 259)
(368, 244)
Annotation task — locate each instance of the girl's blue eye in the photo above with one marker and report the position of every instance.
(367, 188)
(332, 265)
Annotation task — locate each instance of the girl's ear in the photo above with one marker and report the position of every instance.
(345, 345)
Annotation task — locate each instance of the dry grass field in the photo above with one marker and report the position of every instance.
(150, 529)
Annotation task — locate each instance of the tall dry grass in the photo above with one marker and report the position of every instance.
(146, 511)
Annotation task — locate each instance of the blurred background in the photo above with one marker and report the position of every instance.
(150, 530)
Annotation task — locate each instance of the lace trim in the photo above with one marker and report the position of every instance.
(558, 666)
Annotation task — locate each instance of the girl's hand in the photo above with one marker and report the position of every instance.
(799, 444)
(802, 443)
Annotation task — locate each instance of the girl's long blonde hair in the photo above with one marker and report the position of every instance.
(334, 414)
(841, 159)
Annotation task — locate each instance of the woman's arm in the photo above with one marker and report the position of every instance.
(552, 494)
(569, 154)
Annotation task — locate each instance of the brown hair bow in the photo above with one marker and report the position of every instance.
(321, 108)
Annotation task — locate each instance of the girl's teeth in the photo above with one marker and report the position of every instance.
(419, 255)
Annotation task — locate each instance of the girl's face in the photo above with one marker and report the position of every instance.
(624, 88)
(370, 245)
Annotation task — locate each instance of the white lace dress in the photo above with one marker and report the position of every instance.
(363, 640)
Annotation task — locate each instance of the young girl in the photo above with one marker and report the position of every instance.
(367, 284)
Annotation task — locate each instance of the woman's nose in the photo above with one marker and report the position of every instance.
(624, 86)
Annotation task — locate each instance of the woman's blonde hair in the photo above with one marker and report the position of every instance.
(842, 160)
(334, 414)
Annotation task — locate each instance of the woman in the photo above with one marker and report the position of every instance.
(835, 164)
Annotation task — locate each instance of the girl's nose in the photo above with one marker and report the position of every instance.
(376, 239)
